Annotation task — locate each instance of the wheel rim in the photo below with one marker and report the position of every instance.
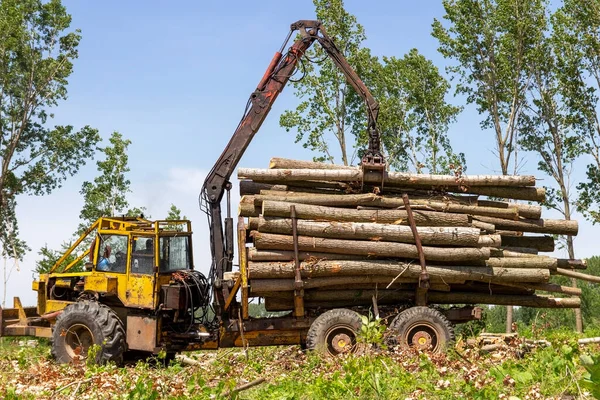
(78, 340)
(423, 336)
(340, 339)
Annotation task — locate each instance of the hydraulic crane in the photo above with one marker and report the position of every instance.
(274, 80)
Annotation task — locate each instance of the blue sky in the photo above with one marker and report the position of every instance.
(174, 78)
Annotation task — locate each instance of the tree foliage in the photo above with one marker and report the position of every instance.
(577, 25)
(107, 194)
(492, 42)
(36, 54)
(414, 114)
(329, 105)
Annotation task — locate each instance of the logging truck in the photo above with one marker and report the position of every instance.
(138, 290)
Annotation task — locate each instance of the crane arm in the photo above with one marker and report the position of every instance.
(274, 80)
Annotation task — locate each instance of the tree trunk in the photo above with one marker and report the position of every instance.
(282, 285)
(356, 298)
(286, 255)
(268, 241)
(286, 163)
(514, 252)
(247, 208)
(483, 226)
(577, 275)
(251, 187)
(525, 210)
(398, 217)
(390, 178)
(555, 226)
(547, 287)
(448, 274)
(372, 200)
(453, 236)
(541, 243)
(489, 240)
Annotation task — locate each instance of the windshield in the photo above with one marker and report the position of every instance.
(174, 253)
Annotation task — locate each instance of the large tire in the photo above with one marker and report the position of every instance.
(334, 332)
(423, 328)
(84, 324)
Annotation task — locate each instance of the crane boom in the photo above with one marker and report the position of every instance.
(261, 100)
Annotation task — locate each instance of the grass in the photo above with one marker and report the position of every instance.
(465, 372)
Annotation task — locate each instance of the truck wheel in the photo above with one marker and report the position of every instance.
(423, 328)
(84, 324)
(334, 332)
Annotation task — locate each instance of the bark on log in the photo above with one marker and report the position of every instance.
(577, 275)
(247, 208)
(400, 297)
(508, 252)
(446, 236)
(286, 255)
(525, 250)
(483, 226)
(502, 232)
(372, 200)
(489, 240)
(251, 187)
(282, 285)
(448, 274)
(525, 210)
(269, 241)
(541, 243)
(555, 226)
(524, 262)
(547, 287)
(523, 193)
(478, 287)
(390, 178)
(286, 163)
(398, 217)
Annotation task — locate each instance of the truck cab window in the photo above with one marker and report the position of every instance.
(142, 256)
(112, 253)
(174, 253)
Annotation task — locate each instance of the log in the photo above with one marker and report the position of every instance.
(535, 262)
(269, 241)
(541, 243)
(286, 163)
(251, 187)
(398, 217)
(577, 275)
(447, 236)
(508, 252)
(502, 232)
(282, 285)
(483, 226)
(448, 274)
(355, 298)
(523, 193)
(589, 340)
(286, 255)
(390, 178)
(372, 200)
(523, 250)
(547, 287)
(478, 287)
(247, 208)
(525, 210)
(555, 226)
(489, 240)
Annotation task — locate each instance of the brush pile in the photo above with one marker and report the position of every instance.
(354, 239)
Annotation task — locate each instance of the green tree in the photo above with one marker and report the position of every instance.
(37, 50)
(174, 214)
(414, 115)
(492, 42)
(329, 105)
(49, 257)
(548, 130)
(107, 195)
(577, 25)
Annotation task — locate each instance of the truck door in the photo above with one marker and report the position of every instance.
(141, 276)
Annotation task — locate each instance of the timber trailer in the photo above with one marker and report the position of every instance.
(139, 291)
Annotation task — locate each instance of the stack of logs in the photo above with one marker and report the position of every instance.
(354, 241)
